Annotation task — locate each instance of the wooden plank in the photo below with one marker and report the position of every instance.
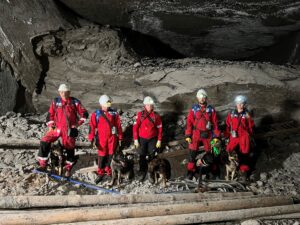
(21, 202)
(204, 217)
(113, 213)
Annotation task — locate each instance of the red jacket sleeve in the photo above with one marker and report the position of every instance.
(136, 126)
(92, 128)
(159, 127)
(190, 123)
(119, 127)
(83, 113)
(215, 123)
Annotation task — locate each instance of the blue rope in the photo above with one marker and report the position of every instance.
(57, 177)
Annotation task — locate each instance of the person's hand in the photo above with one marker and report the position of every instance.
(158, 144)
(188, 140)
(136, 143)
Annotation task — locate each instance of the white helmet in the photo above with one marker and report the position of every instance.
(64, 87)
(105, 101)
(201, 94)
(240, 99)
(148, 101)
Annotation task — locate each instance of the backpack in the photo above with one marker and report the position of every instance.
(99, 114)
(57, 101)
(197, 107)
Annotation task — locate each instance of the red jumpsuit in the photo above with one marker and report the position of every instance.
(197, 120)
(62, 115)
(145, 128)
(148, 130)
(107, 136)
(242, 124)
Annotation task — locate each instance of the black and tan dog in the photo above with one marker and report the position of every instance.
(231, 165)
(121, 167)
(203, 164)
(57, 159)
(159, 169)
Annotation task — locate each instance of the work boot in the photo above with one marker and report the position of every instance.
(41, 168)
(68, 168)
(108, 171)
(42, 165)
(68, 173)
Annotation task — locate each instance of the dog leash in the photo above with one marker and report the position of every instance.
(90, 186)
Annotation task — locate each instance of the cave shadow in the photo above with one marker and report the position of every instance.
(127, 137)
(148, 46)
(271, 152)
(171, 129)
(44, 62)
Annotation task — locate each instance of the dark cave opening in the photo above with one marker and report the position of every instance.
(286, 50)
(149, 46)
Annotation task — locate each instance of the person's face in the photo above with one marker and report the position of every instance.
(64, 94)
(202, 100)
(240, 106)
(149, 107)
(104, 108)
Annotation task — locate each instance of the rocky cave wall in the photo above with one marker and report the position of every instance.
(54, 45)
(20, 22)
(104, 62)
(212, 29)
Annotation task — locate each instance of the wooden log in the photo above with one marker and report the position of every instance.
(113, 213)
(281, 217)
(23, 202)
(206, 217)
(11, 143)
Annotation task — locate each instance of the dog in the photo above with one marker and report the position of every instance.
(57, 159)
(203, 165)
(121, 167)
(231, 165)
(159, 169)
